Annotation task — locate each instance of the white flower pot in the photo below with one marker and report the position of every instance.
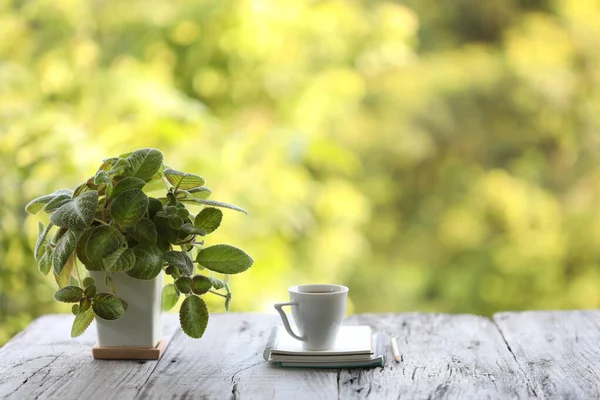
(141, 324)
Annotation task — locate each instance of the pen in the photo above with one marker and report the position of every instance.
(395, 351)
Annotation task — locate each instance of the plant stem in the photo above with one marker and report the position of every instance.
(77, 270)
(217, 293)
(102, 222)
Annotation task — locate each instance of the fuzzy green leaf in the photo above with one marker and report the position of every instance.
(75, 309)
(209, 219)
(201, 284)
(201, 193)
(79, 190)
(126, 184)
(148, 262)
(81, 247)
(85, 304)
(103, 241)
(193, 316)
(65, 247)
(76, 214)
(170, 295)
(128, 208)
(102, 178)
(181, 180)
(164, 229)
(184, 284)
(143, 232)
(57, 202)
(228, 302)
(175, 221)
(45, 262)
(122, 260)
(69, 294)
(219, 284)
(215, 203)
(89, 281)
(189, 229)
(82, 321)
(35, 205)
(144, 163)
(179, 260)
(108, 306)
(90, 291)
(37, 251)
(225, 259)
(154, 206)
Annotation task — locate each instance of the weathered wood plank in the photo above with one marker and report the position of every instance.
(443, 356)
(227, 363)
(560, 350)
(44, 362)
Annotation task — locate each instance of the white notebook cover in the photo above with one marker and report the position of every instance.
(351, 340)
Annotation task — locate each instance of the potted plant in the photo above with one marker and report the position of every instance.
(125, 239)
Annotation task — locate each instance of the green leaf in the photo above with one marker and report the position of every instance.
(75, 309)
(148, 262)
(85, 304)
(37, 251)
(193, 316)
(77, 214)
(228, 302)
(181, 180)
(175, 222)
(219, 284)
(126, 184)
(81, 247)
(179, 260)
(103, 240)
(80, 190)
(201, 193)
(154, 206)
(102, 178)
(69, 294)
(184, 284)
(143, 232)
(164, 229)
(201, 284)
(64, 248)
(90, 291)
(128, 208)
(82, 321)
(170, 295)
(214, 203)
(209, 219)
(89, 281)
(183, 213)
(120, 166)
(57, 202)
(121, 260)
(64, 278)
(190, 229)
(45, 262)
(225, 259)
(144, 163)
(35, 205)
(108, 306)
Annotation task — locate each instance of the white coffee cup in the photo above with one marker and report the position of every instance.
(318, 312)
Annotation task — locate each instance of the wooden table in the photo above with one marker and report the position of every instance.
(514, 355)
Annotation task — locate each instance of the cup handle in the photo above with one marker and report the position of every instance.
(284, 318)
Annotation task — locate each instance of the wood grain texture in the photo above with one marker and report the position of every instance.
(44, 362)
(227, 363)
(560, 350)
(442, 356)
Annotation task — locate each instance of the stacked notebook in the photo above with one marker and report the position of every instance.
(356, 346)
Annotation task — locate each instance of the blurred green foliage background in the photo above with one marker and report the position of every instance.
(433, 156)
